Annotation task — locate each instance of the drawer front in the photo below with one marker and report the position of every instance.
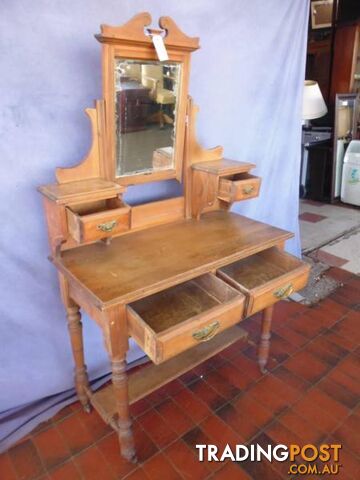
(161, 347)
(266, 278)
(174, 320)
(86, 228)
(241, 187)
(258, 300)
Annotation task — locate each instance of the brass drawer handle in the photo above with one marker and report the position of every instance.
(206, 333)
(107, 227)
(284, 292)
(247, 189)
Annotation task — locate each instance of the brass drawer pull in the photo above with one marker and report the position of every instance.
(284, 292)
(206, 333)
(247, 189)
(107, 227)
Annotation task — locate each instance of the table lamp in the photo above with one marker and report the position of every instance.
(313, 102)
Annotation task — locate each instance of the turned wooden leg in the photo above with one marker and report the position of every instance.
(120, 383)
(76, 337)
(264, 346)
(117, 344)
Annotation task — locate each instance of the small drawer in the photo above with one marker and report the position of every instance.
(176, 319)
(266, 277)
(239, 187)
(96, 220)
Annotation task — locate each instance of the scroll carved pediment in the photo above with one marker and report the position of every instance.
(138, 31)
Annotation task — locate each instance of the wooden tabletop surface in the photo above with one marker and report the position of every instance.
(138, 264)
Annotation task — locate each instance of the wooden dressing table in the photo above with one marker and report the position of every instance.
(177, 275)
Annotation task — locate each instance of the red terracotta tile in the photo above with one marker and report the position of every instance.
(353, 422)
(318, 348)
(219, 432)
(139, 407)
(231, 471)
(350, 464)
(207, 394)
(93, 466)
(328, 404)
(347, 295)
(138, 474)
(244, 364)
(329, 258)
(279, 433)
(185, 461)
(159, 467)
(274, 394)
(294, 338)
(157, 429)
(75, 434)
(285, 310)
(110, 449)
(349, 327)
(283, 374)
(307, 431)
(307, 325)
(67, 471)
(347, 373)
(221, 385)
(338, 392)
(193, 406)
(42, 426)
(63, 413)
(348, 437)
(263, 469)
(333, 337)
(6, 468)
(237, 378)
(306, 366)
(26, 460)
(188, 377)
(249, 406)
(240, 422)
(339, 274)
(332, 309)
(94, 424)
(170, 388)
(196, 436)
(252, 353)
(323, 420)
(175, 416)
(145, 447)
(51, 447)
(311, 217)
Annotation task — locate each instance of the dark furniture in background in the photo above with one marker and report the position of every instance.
(133, 105)
(333, 60)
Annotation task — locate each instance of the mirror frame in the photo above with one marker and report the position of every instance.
(130, 41)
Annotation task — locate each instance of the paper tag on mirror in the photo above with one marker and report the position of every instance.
(160, 47)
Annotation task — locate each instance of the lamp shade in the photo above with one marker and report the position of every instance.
(313, 102)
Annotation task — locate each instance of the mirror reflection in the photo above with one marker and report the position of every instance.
(146, 101)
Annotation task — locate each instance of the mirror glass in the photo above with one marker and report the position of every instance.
(146, 104)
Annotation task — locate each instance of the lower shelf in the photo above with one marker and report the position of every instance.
(141, 384)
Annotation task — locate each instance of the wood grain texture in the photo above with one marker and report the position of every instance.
(152, 377)
(239, 187)
(176, 319)
(262, 277)
(264, 345)
(142, 263)
(81, 191)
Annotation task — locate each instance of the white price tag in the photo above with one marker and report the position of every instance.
(160, 47)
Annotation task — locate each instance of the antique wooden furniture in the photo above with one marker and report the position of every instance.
(177, 275)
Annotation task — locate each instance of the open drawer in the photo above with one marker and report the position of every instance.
(266, 277)
(96, 220)
(238, 187)
(171, 321)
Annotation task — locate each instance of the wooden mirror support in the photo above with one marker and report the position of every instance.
(124, 265)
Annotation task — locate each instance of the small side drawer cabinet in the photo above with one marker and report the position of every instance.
(266, 277)
(178, 318)
(102, 219)
(239, 187)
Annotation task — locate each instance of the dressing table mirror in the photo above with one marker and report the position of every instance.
(177, 275)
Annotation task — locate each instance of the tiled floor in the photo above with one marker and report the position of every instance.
(310, 395)
(331, 233)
